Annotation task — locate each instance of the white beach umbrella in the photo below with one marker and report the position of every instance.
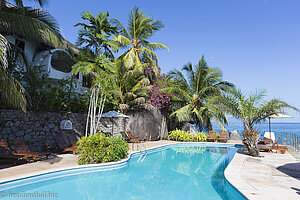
(278, 115)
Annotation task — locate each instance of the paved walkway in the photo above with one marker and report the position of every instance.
(271, 177)
(274, 176)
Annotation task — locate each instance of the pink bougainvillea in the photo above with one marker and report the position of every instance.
(158, 97)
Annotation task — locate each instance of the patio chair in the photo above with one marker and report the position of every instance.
(274, 146)
(73, 144)
(269, 136)
(130, 139)
(62, 146)
(6, 156)
(124, 136)
(73, 140)
(133, 139)
(223, 136)
(21, 148)
(265, 141)
(212, 136)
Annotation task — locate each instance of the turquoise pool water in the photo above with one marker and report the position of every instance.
(183, 171)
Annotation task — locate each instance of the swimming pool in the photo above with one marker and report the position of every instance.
(180, 171)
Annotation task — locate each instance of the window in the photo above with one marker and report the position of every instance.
(61, 61)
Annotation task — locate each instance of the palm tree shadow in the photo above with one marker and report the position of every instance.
(297, 189)
(291, 169)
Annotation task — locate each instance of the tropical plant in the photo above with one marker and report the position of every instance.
(96, 35)
(251, 109)
(11, 91)
(140, 53)
(100, 148)
(185, 136)
(159, 96)
(35, 24)
(197, 91)
(100, 69)
(131, 88)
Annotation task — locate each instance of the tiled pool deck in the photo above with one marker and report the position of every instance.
(273, 176)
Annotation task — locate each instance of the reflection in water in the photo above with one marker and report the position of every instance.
(189, 172)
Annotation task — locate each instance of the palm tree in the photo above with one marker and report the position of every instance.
(140, 53)
(251, 109)
(35, 24)
(11, 92)
(197, 91)
(96, 35)
(100, 69)
(131, 88)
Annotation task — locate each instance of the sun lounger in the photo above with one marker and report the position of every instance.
(6, 156)
(124, 136)
(265, 141)
(21, 148)
(212, 136)
(73, 143)
(130, 139)
(62, 146)
(223, 136)
(274, 146)
(133, 139)
(270, 136)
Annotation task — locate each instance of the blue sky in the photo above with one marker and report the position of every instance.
(256, 43)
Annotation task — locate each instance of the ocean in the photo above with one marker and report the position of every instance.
(280, 129)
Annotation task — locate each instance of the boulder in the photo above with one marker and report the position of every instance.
(189, 128)
(146, 122)
(234, 135)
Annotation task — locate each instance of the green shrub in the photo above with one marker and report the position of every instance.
(217, 136)
(179, 135)
(100, 148)
(199, 137)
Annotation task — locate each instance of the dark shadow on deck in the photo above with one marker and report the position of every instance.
(51, 159)
(291, 169)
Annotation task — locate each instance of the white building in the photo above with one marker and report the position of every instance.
(57, 63)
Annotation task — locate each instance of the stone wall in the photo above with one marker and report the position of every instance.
(38, 129)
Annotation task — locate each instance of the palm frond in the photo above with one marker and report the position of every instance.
(154, 46)
(34, 24)
(122, 40)
(11, 91)
(184, 113)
